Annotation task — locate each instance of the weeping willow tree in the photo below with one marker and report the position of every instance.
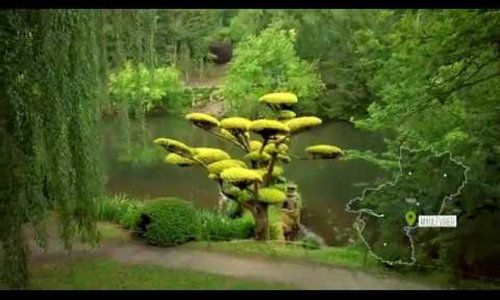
(256, 181)
(52, 90)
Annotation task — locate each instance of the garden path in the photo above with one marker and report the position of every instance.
(302, 275)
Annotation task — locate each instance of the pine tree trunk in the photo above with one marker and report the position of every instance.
(259, 212)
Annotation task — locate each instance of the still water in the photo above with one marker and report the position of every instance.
(326, 186)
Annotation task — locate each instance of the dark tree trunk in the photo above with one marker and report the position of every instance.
(259, 212)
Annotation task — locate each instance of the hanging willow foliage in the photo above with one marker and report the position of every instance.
(52, 87)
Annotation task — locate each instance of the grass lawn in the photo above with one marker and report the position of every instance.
(335, 256)
(349, 257)
(111, 232)
(108, 274)
(102, 273)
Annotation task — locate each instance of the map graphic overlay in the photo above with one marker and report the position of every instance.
(386, 214)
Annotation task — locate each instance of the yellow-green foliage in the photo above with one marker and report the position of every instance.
(173, 146)
(284, 158)
(176, 159)
(202, 120)
(255, 145)
(218, 167)
(276, 231)
(286, 114)
(235, 192)
(271, 148)
(228, 135)
(236, 174)
(240, 175)
(235, 123)
(256, 156)
(324, 151)
(279, 98)
(303, 123)
(271, 195)
(277, 171)
(210, 155)
(282, 138)
(268, 128)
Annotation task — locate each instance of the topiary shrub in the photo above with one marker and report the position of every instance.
(253, 182)
(168, 221)
(216, 226)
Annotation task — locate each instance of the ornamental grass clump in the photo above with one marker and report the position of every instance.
(253, 181)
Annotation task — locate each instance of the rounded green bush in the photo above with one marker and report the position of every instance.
(169, 221)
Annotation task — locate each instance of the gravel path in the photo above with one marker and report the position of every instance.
(299, 274)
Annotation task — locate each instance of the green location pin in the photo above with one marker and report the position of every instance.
(410, 217)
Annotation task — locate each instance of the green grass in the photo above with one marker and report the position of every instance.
(112, 232)
(119, 209)
(348, 257)
(107, 274)
(335, 256)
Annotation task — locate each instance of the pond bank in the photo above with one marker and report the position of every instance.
(325, 186)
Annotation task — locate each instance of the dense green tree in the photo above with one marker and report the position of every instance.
(268, 62)
(183, 37)
(327, 37)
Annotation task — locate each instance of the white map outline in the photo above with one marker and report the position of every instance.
(359, 224)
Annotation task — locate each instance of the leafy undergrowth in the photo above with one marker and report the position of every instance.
(108, 274)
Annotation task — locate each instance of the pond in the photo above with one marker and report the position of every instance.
(326, 186)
